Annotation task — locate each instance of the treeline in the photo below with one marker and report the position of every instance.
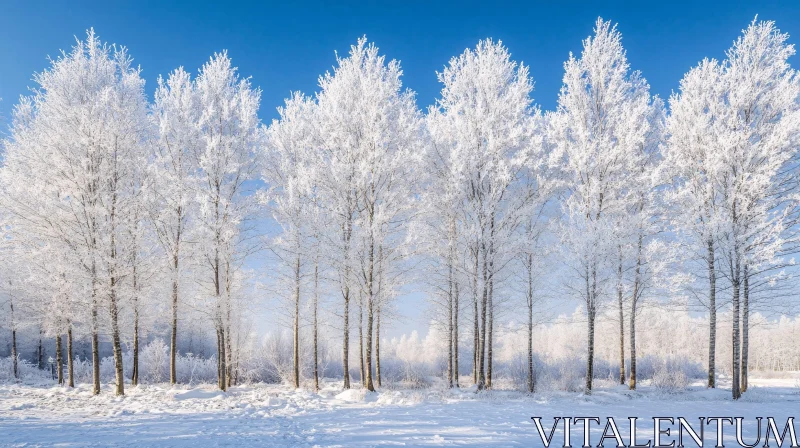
(120, 212)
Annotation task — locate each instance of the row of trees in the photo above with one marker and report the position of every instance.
(113, 204)
(102, 191)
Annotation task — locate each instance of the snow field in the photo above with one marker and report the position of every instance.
(272, 415)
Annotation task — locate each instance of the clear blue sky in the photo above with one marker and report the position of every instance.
(285, 46)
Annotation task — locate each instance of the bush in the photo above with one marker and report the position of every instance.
(670, 380)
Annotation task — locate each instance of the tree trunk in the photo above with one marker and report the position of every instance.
(226, 325)
(59, 360)
(591, 289)
(14, 355)
(347, 233)
(484, 304)
(228, 351)
(370, 311)
(173, 345)
(530, 322)
(223, 385)
(455, 334)
(745, 328)
(135, 369)
(637, 280)
(70, 365)
(378, 346)
(361, 340)
(590, 357)
(621, 320)
(475, 315)
(346, 338)
(117, 346)
(712, 316)
(316, 327)
(296, 344)
(735, 378)
(450, 325)
(490, 334)
(40, 353)
(95, 339)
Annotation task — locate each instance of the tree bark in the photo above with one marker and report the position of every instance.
(361, 341)
(296, 344)
(40, 353)
(370, 310)
(223, 385)
(378, 318)
(378, 345)
(634, 303)
(745, 328)
(347, 233)
(712, 316)
(316, 327)
(14, 355)
(59, 361)
(490, 335)
(621, 320)
(116, 343)
(455, 335)
(70, 365)
(173, 345)
(475, 315)
(529, 266)
(95, 339)
(346, 338)
(591, 291)
(135, 369)
(735, 336)
(484, 304)
(450, 325)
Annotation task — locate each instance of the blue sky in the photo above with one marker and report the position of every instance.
(284, 46)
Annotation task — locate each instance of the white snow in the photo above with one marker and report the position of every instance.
(271, 415)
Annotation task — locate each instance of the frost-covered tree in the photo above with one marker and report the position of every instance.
(692, 174)
(288, 170)
(230, 134)
(599, 129)
(759, 125)
(481, 125)
(369, 132)
(171, 191)
(67, 168)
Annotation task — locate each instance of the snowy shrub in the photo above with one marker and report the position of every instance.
(400, 374)
(82, 369)
(154, 362)
(516, 371)
(566, 374)
(192, 369)
(107, 369)
(27, 371)
(670, 380)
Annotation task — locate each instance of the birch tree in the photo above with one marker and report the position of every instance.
(369, 130)
(484, 119)
(68, 165)
(599, 127)
(173, 183)
(229, 133)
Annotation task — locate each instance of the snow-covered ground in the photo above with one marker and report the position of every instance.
(270, 415)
